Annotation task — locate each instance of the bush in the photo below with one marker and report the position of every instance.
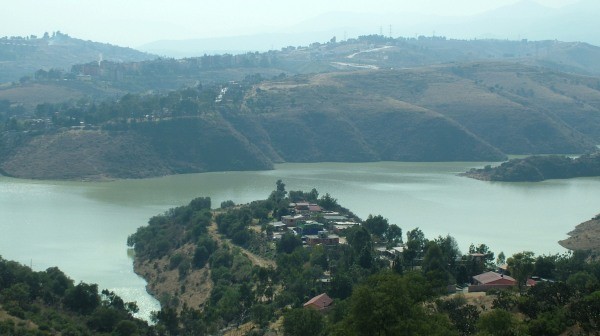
(175, 260)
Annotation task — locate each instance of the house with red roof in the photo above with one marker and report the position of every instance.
(491, 280)
(320, 302)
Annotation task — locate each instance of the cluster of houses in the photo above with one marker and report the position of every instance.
(319, 227)
(313, 224)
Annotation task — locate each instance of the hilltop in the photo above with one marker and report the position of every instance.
(97, 78)
(21, 57)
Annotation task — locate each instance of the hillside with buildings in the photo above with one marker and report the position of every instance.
(299, 263)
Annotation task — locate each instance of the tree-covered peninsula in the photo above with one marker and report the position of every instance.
(539, 168)
(298, 263)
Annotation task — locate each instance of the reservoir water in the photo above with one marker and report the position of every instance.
(82, 227)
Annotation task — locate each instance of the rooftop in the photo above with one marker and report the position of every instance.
(320, 301)
(488, 277)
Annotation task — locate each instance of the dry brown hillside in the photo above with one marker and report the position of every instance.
(586, 236)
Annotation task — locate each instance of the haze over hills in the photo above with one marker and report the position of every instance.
(101, 80)
(524, 20)
(24, 56)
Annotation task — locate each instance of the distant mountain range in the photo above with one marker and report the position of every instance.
(524, 20)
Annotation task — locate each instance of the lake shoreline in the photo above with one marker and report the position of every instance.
(95, 219)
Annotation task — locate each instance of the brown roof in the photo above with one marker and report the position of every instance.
(319, 302)
(314, 208)
(489, 277)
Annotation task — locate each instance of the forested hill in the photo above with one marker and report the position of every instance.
(466, 112)
(539, 168)
(22, 57)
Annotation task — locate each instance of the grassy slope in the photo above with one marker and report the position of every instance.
(144, 151)
(515, 108)
(468, 112)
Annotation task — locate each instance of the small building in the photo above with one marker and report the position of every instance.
(335, 218)
(290, 220)
(320, 303)
(311, 227)
(343, 225)
(323, 238)
(491, 280)
(395, 251)
(302, 206)
(314, 208)
(277, 226)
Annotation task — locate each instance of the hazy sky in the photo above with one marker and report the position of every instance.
(135, 22)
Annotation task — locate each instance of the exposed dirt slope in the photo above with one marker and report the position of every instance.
(586, 236)
(166, 285)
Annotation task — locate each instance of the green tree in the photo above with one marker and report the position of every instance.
(415, 245)
(583, 282)
(18, 293)
(303, 322)
(82, 298)
(389, 304)
(521, 267)
(435, 267)
(463, 316)
(488, 256)
(376, 225)
(288, 243)
(587, 313)
(450, 253)
(359, 239)
(499, 322)
(227, 204)
(125, 328)
(279, 193)
(168, 319)
(394, 234)
(261, 314)
(544, 266)
(328, 202)
(550, 323)
(501, 260)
